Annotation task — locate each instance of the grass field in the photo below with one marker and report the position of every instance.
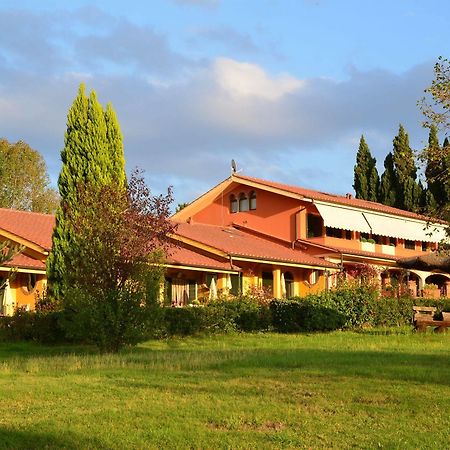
(338, 390)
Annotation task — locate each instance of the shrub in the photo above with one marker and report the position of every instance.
(32, 326)
(306, 314)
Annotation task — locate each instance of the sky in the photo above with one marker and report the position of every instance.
(284, 87)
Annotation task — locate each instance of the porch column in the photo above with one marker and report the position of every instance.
(276, 273)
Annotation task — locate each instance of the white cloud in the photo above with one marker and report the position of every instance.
(246, 79)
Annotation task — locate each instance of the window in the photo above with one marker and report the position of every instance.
(424, 246)
(243, 202)
(267, 281)
(29, 282)
(377, 238)
(233, 204)
(289, 282)
(410, 245)
(314, 277)
(315, 225)
(393, 242)
(333, 232)
(192, 290)
(364, 237)
(348, 235)
(252, 200)
(235, 284)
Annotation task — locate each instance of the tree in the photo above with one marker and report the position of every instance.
(365, 174)
(436, 109)
(24, 181)
(388, 189)
(434, 168)
(408, 192)
(114, 272)
(92, 156)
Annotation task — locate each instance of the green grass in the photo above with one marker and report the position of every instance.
(338, 390)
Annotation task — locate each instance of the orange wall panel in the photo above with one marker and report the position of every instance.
(274, 214)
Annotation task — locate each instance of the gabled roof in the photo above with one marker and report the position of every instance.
(186, 257)
(25, 262)
(36, 228)
(331, 198)
(236, 243)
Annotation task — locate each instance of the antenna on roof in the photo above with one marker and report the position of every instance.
(234, 167)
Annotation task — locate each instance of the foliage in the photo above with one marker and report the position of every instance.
(24, 181)
(114, 268)
(366, 179)
(436, 109)
(387, 193)
(408, 191)
(239, 314)
(181, 206)
(42, 327)
(92, 158)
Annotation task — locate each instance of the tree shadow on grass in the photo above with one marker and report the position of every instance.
(398, 366)
(29, 440)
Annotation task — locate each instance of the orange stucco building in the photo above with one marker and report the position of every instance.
(247, 233)
(23, 278)
(295, 240)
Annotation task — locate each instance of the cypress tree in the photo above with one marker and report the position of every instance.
(387, 193)
(433, 169)
(408, 192)
(115, 144)
(366, 179)
(92, 157)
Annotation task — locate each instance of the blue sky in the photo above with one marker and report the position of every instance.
(285, 88)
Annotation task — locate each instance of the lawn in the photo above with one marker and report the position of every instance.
(337, 390)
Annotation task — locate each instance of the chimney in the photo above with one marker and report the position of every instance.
(348, 195)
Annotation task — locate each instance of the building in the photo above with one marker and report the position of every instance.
(295, 240)
(249, 234)
(23, 278)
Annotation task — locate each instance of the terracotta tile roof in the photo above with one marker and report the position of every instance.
(34, 227)
(333, 198)
(25, 262)
(352, 251)
(238, 243)
(187, 257)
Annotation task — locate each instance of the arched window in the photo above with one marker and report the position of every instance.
(233, 204)
(289, 282)
(243, 202)
(252, 200)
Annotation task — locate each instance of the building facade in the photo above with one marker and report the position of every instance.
(252, 235)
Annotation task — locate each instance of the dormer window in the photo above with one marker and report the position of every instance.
(233, 204)
(243, 202)
(252, 200)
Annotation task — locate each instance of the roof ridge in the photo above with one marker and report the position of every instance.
(376, 206)
(21, 211)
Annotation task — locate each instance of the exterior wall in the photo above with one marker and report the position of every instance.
(274, 214)
(21, 297)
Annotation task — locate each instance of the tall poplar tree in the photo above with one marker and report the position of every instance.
(92, 157)
(365, 173)
(388, 185)
(408, 192)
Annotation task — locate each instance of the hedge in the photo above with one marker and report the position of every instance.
(346, 308)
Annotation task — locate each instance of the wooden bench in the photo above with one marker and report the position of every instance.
(423, 318)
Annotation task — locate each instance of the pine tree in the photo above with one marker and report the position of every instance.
(387, 193)
(365, 173)
(408, 192)
(92, 158)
